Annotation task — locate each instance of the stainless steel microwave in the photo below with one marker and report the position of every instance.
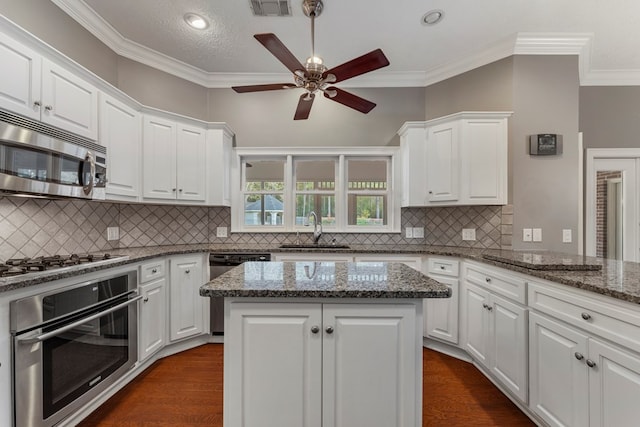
(38, 159)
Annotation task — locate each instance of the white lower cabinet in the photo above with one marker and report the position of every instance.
(152, 328)
(296, 364)
(580, 381)
(441, 314)
(187, 309)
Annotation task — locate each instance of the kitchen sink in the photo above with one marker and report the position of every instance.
(313, 246)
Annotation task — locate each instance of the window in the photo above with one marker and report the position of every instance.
(350, 190)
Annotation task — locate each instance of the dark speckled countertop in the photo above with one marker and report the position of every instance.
(619, 280)
(324, 279)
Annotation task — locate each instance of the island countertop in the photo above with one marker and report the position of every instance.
(324, 279)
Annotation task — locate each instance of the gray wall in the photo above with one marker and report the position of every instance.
(610, 116)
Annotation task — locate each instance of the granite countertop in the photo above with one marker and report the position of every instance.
(324, 279)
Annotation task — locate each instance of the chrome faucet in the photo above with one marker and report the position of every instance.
(316, 233)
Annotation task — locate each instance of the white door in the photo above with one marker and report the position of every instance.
(509, 345)
(558, 373)
(186, 304)
(477, 323)
(152, 318)
(68, 102)
(443, 163)
(20, 78)
(614, 384)
(441, 314)
(274, 378)
(120, 132)
(374, 345)
(602, 168)
(158, 159)
(191, 163)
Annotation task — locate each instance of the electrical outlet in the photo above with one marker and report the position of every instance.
(537, 234)
(113, 233)
(418, 232)
(408, 232)
(566, 235)
(221, 231)
(527, 235)
(468, 234)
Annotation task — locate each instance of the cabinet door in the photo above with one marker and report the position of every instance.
(477, 323)
(374, 345)
(443, 163)
(614, 384)
(274, 378)
(413, 146)
(20, 78)
(152, 318)
(69, 102)
(158, 158)
(120, 132)
(219, 165)
(558, 373)
(441, 314)
(484, 161)
(509, 345)
(186, 304)
(191, 163)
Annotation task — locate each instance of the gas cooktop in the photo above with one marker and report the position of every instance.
(23, 266)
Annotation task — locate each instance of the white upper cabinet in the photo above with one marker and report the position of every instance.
(459, 159)
(20, 78)
(219, 159)
(121, 133)
(191, 163)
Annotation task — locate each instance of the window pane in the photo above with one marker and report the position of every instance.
(267, 175)
(367, 211)
(263, 209)
(322, 205)
(315, 175)
(367, 175)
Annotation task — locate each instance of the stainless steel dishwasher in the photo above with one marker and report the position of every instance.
(220, 263)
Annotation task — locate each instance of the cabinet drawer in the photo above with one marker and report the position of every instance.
(608, 320)
(443, 266)
(498, 281)
(151, 271)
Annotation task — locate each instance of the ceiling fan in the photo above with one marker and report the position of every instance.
(314, 76)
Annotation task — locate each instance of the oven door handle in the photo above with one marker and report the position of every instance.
(46, 336)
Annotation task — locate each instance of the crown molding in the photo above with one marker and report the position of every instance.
(518, 44)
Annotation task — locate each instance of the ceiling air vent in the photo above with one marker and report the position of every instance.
(270, 7)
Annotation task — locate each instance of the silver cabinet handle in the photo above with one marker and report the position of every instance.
(578, 356)
(315, 329)
(586, 316)
(48, 107)
(591, 363)
(329, 329)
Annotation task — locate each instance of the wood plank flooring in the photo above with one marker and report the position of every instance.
(185, 390)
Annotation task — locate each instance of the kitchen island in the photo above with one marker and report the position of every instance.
(323, 343)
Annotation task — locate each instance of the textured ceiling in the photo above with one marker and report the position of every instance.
(350, 28)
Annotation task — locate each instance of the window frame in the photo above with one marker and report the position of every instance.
(341, 155)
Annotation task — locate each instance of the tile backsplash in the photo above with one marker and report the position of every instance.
(31, 227)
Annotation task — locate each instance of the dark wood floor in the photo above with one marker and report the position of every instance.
(186, 390)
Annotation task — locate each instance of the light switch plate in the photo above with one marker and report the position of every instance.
(418, 232)
(221, 231)
(537, 234)
(408, 232)
(468, 234)
(527, 235)
(113, 233)
(566, 235)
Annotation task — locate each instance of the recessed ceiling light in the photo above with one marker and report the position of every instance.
(432, 17)
(196, 21)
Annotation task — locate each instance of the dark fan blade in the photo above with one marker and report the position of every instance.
(304, 106)
(349, 99)
(363, 64)
(260, 88)
(280, 51)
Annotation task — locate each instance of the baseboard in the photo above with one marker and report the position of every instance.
(445, 348)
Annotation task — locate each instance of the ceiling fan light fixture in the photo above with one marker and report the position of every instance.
(315, 60)
(432, 17)
(196, 21)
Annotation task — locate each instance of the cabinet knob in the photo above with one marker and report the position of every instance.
(36, 103)
(48, 107)
(187, 271)
(173, 189)
(578, 356)
(329, 329)
(489, 308)
(155, 270)
(591, 363)
(442, 267)
(180, 190)
(484, 305)
(315, 329)
(145, 299)
(487, 279)
(430, 192)
(586, 316)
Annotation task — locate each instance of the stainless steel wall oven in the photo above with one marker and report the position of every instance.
(70, 345)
